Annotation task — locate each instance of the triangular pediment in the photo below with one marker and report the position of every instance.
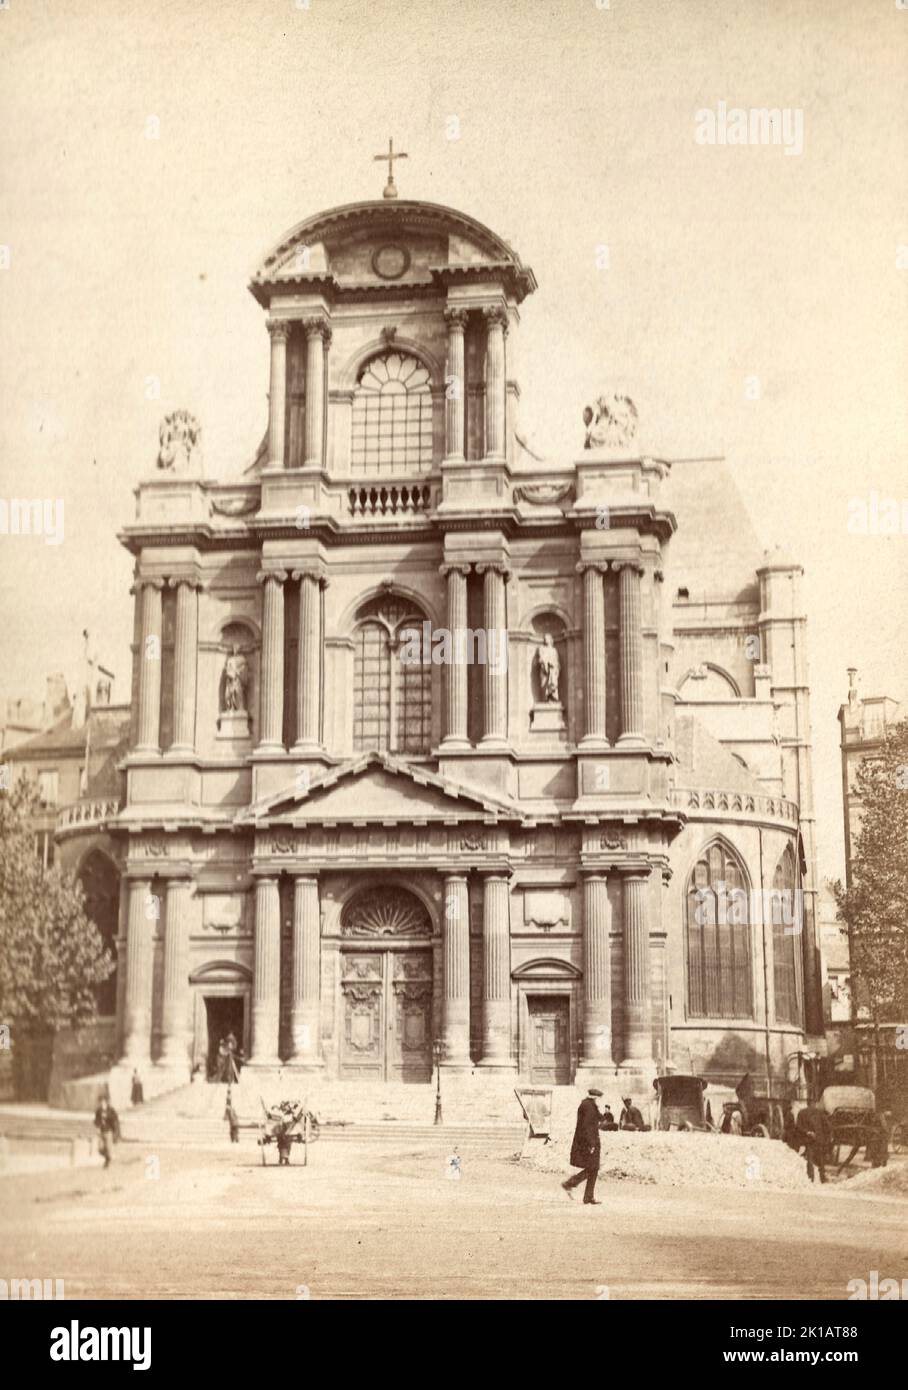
(379, 788)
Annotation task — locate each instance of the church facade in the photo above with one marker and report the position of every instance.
(441, 751)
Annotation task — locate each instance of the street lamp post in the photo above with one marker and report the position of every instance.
(436, 1057)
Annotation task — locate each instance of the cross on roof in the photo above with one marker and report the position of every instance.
(390, 189)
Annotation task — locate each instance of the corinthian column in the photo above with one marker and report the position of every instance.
(594, 651)
(309, 659)
(149, 659)
(139, 953)
(271, 679)
(304, 1003)
(631, 652)
(597, 996)
(455, 1024)
(495, 670)
(496, 973)
(496, 384)
(277, 394)
(174, 1041)
(455, 385)
(266, 989)
(456, 667)
(318, 337)
(185, 664)
(638, 1042)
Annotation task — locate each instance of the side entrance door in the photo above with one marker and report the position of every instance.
(387, 1015)
(550, 1051)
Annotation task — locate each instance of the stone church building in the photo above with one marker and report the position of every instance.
(442, 750)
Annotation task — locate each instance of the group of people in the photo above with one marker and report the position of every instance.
(593, 1115)
(229, 1059)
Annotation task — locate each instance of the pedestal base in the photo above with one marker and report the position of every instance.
(547, 718)
(233, 724)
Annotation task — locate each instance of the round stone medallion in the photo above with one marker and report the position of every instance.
(390, 262)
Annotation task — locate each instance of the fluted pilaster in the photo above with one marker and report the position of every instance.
(456, 668)
(174, 1020)
(638, 1043)
(271, 680)
(495, 670)
(142, 915)
(597, 997)
(496, 384)
(456, 955)
(309, 671)
(277, 394)
(455, 385)
(318, 338)
(631, 621)
(266, 990)
(185, 664)
(304, 1002)
(149, 657)
(594, 650)
(496, 972)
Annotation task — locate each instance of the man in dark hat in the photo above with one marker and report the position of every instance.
(630, 1117)
(585, 1148)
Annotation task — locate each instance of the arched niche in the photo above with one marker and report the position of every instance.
(100, 880)
(548, 670)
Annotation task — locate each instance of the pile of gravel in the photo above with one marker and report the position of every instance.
(891, 1181)
(676, 1159)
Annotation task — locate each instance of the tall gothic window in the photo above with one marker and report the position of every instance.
(392, 416)
(786, 932)
(718, 938)
(392, 685)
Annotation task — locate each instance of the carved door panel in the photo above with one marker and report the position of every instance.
(363, 1035)
(550, 1053)
(410, 1016)
(387, 1024)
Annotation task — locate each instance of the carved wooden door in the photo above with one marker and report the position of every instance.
(550, 1053)
(387, 1023)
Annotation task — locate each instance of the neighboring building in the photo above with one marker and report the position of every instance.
(21, 717)
(864, 722)
(76, 769)
(346, 835)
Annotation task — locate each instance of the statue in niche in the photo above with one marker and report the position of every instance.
(548, 667)
(234, 691)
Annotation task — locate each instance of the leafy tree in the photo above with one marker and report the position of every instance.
(875, 907)
(52, 955)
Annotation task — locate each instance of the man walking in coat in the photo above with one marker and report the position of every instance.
(585, 1148)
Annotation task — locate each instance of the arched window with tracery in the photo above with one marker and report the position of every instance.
(392, 416)
(785, 912)
(392, 678)
(719, 972)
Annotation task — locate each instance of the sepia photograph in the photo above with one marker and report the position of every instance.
(454, 687)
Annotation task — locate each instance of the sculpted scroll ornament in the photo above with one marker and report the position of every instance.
(612, 423)
(180, 442)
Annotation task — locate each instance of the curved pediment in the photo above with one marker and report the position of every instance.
(385, 243)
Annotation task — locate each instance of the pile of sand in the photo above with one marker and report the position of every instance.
(677, 1159)
(891, 1181)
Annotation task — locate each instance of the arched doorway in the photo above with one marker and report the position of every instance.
(386, 987)
(101, 885)
(221, 990)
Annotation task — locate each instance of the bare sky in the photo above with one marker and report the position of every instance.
(129, 258)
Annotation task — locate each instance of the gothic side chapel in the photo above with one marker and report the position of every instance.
(359, 856)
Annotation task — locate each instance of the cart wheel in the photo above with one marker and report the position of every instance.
(898, 1138)
(759, 1132)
